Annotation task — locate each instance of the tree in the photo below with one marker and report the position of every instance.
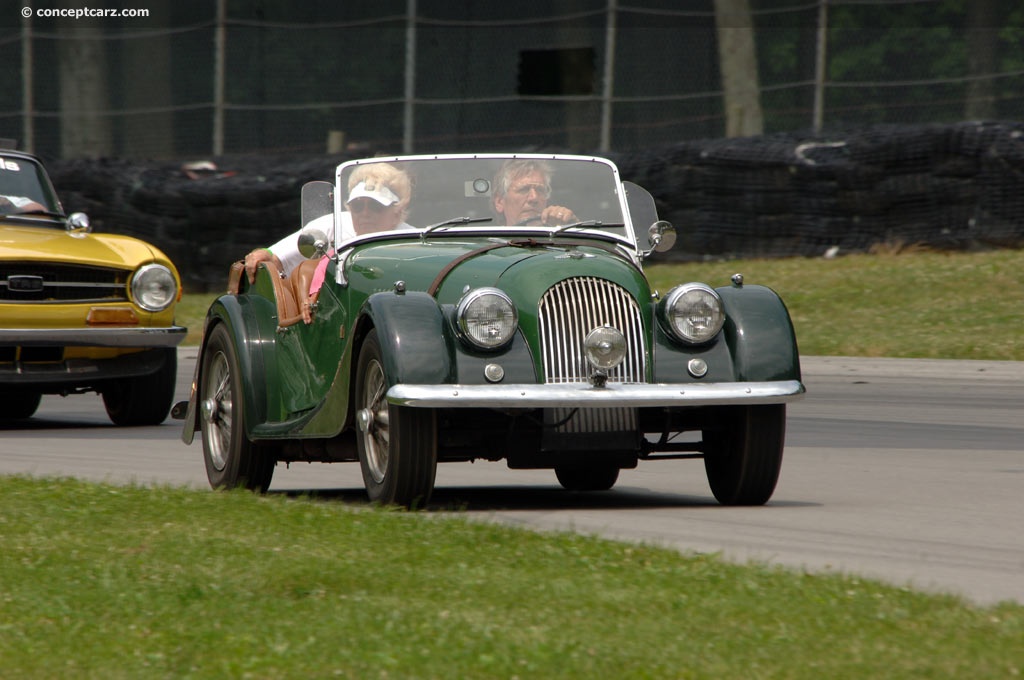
(738, 64)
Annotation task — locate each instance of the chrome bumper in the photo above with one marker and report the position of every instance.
(585, 395)
(93, 337)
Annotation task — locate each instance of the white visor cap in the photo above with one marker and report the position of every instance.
(377, 192)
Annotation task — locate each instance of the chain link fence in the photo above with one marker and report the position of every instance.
(423, 76)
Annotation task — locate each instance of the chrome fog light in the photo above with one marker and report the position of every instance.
(605, 347)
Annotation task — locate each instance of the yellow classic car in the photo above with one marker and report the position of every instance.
(80, 312)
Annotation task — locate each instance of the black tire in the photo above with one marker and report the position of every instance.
(232, 459)
(145, 400)
(593, 478)
(397, 445)
(743, 455)
(18, 406)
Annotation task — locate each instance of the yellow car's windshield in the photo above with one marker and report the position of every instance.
(25, 188)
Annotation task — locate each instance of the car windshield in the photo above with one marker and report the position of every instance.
(24, 187)
(521, 192)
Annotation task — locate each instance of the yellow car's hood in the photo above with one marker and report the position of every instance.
(27, 243)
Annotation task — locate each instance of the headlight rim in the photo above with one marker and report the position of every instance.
(139, 278)
(672, 299)
(461, 322)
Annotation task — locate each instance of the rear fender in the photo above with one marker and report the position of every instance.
(759, 333)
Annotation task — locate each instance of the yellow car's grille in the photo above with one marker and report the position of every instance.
(43, 282)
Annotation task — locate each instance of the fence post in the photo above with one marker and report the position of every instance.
(28, 131)
(219, 40)
(820, 62)
(608, 81)
(410, 77)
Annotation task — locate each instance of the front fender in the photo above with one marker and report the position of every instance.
(416, 342)
(759, 333)
(236, 313)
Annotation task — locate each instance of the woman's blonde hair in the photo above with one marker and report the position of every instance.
(388, 175)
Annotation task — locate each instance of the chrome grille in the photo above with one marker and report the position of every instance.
(572, 308)
(48, 282)
(567, 420)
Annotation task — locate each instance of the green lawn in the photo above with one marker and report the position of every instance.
(107, 582)
(915, 305)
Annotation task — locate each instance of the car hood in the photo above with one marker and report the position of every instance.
(27, 243)
(523, 271)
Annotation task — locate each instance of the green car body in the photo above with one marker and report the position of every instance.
(394, 309)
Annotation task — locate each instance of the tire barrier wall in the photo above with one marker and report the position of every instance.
(957, 186)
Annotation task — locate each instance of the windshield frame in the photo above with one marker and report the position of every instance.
(624, 236)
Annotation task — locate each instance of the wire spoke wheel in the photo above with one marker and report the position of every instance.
(217, 411)
(232, 459)
(377, 436)
(397, 445)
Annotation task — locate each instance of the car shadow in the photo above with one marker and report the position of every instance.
(35, 423)
(519, 497)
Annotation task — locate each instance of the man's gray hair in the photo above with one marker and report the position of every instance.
(517, 167)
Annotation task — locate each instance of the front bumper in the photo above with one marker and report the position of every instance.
(587, 396)
(142, 338)
(76, 374)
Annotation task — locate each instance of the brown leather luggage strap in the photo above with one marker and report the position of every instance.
(235, 277)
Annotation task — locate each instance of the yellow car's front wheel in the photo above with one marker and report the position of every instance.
(144, 400)
(18, 405)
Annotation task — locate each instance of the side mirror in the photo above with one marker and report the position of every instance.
(662, 236)
(312, 243)
(78, 224)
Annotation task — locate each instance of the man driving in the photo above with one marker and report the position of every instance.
(522, 188)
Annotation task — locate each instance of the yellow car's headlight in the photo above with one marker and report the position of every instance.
(154, 288)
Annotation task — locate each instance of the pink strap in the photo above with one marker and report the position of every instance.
(319, 274)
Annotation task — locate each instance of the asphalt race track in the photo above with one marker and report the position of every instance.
(910, 471)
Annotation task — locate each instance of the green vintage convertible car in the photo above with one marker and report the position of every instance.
(505, 317)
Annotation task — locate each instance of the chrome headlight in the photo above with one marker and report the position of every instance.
(693, 312)
(487, 317)
(154, 287)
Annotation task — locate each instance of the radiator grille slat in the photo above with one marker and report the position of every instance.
(572, 308)
(63, 283)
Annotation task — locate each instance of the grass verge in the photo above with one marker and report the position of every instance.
(124, 582)
(908, 305)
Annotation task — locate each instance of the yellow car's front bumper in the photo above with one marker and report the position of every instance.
(140, 338)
